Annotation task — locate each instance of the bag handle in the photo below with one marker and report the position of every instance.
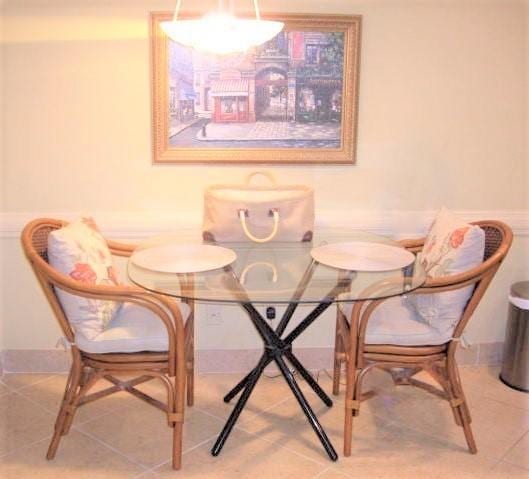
(273, 212)
(251, 266)
(266, 174)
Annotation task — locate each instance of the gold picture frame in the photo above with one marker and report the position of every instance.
(293, 100)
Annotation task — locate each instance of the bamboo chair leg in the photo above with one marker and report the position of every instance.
(65, 398)
(338, 352)
(68, 407)
(336, 373)
(440, 374)
(178, 424)
(177, 445)
(89, 380)
(72, 409)
(72, 384)
(190, 380)
(351, 410)
(460, 392)
(190, 361)
(459, 404)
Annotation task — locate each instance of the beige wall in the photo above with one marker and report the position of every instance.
(2, 162)
(527, 101)
(443, 120)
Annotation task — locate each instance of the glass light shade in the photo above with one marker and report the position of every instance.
(221, 33)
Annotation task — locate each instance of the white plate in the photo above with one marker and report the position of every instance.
(363, 256)
(188, 258)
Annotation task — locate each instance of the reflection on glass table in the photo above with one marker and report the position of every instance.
(271, 272)
(277, 273)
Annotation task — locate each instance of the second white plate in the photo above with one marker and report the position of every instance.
(186, 258)
(363, 256)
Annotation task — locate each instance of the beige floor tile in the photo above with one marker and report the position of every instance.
(78, 456)
(497, 426)
(211, 388)
(332, 474)
(499, 421)
(397, 452)
(519, 454)
(504, 470)
(244, 457)
(401, 433)
(22, 422)
(142, 432)
(484, 380)
(16, 381)
(3, 389)
(286, 425)
(49, 393)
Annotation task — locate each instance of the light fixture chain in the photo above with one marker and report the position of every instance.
(177, 10)
(220, 8)
(256, 7)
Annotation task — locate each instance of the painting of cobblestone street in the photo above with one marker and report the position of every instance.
(292, 99)
(286, 93)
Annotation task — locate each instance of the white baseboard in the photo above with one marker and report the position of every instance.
(224, 360)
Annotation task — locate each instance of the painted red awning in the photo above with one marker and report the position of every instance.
(229, 88)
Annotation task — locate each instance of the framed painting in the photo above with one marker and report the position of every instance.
(292, 100)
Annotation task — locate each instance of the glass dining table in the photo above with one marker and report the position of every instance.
(278, 273)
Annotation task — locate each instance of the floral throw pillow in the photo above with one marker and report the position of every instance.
(452, 246)
(80, 251)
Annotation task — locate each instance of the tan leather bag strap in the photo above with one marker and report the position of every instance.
(251, 266)
(242, 216)
(266, 174)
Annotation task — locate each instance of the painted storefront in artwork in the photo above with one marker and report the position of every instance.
(288, 92)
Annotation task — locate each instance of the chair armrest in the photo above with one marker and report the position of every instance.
(412, 244)
(120, 249)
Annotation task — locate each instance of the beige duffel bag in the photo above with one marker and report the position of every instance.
(235, 213)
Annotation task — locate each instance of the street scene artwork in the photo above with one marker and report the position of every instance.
(287, 95)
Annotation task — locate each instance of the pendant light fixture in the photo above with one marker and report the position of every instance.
(221, 32)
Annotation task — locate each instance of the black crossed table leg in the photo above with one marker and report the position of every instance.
(276, 349)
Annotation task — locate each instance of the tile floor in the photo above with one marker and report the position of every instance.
(401, 433)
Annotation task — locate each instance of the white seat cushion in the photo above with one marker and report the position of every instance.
(133, 329)
(397, 322)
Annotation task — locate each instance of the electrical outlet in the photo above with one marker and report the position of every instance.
(213, 314)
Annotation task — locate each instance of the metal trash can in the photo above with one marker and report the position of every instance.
(515, 369)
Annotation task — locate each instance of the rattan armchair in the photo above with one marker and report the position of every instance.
(403, 362)
(170, 367)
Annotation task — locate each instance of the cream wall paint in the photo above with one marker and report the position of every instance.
(440, 90)
(443, 120)
(527, 101)
(2, 108)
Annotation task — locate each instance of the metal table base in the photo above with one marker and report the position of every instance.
(278, 349)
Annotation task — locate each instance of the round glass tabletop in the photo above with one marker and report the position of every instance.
(274, 272)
